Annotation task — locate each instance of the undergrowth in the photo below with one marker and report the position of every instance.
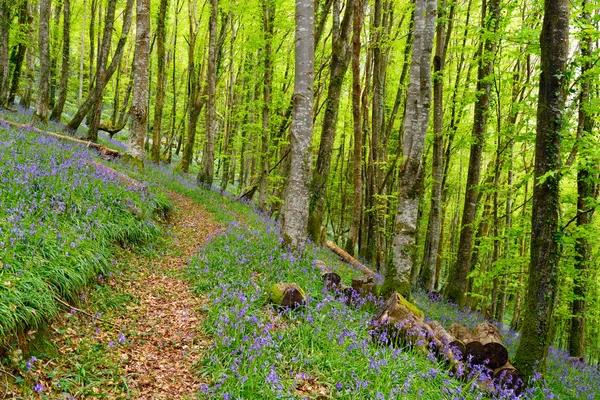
(324, 350)
(61, 213)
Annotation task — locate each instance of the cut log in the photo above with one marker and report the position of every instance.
(508, 377)
(475, 353)
(451, 347)
(400, 322)
(286, 295)
(365, 285)
(460, 332)
(100, 148)
(489, 336)
(348, 258)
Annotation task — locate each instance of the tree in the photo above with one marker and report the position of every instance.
(586, 192)
(64, 71)
(295, 208)
(139, 108)
(206, 173)
(545, 236)
(161, 78)
(43, 100)
(397, 274)
(457, 282)
(340, 58)
(5, 17)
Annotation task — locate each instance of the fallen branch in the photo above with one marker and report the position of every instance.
(101, 148)
(348, 258)
(64, 303)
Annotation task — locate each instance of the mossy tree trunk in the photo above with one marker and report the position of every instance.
(543, 269)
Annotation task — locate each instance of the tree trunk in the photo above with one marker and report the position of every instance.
(340, 58)
(206, 173)
(64, 71)
(25, 21)
(295, 208)
(357, 127)
(5, 18)
(268, 26)
(397, 274)
(435, 213)
(101, 78)
(543, 269)
(161, 79)
(97, 89)
(43, 99)
(586, 194)
(139, 107)
(457, 281)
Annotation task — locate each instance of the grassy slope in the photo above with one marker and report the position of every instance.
(60, 216)
(326, 347)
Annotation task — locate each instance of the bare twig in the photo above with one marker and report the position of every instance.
(64, 303)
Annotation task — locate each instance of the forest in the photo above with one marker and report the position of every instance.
(449, 146)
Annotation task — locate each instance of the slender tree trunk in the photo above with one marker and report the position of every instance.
(457, 282)
(435, 213)
(64, 71)
(586, 194)
(139, 108)
(101, 78)
(43, 100)
(357, 127)
(229, 125)
(397, 274)
(268, 26)
(96, 90)
(340, 58)
(24, 21)
(295, 208)
(545, 251)
(207, 172)
(161, 79)
(5, 18)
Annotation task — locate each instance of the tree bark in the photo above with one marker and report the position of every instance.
(357, 127)
(43, 100)
(268, 26)
(5, 18)
(25, 20)
(340, 58)
(161, 78)
(64, 71)
(206, 173)
(435, 214)
(586, 194)
(139, 107)
(543, 269)
(295, 208)
(397, 274)
(457, 281)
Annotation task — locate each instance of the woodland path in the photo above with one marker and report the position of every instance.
(167, 320)
(150, 344)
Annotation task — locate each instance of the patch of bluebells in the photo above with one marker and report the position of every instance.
(59, 210)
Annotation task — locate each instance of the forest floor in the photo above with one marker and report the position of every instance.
(147, 351)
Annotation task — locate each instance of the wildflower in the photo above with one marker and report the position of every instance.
(38, 388)
(30, 363)
(111, 344)
(121, 338)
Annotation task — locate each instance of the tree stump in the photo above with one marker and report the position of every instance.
(491, 339)
(286, 295)
(365, 285)
(331, 279)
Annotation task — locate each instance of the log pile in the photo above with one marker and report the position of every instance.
(398, 322)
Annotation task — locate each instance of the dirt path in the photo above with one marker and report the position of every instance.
(165, 336)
